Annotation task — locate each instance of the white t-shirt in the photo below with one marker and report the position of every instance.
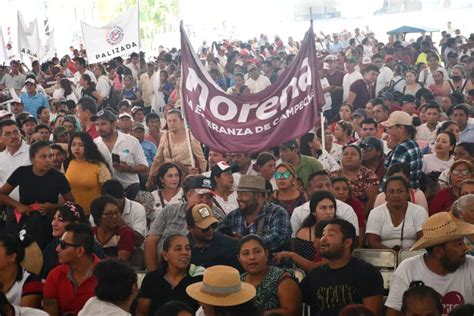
(349, 79)
(229, 205)
(327, 96)
(258, 85)
(9, 163)
(343, 210)
(456, 288)
(380, 223)
(383, 79)
(431, 163)
(425, 134)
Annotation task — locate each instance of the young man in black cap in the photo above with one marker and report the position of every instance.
(222, 178)
(172, 218)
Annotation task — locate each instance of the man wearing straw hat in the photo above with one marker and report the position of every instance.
(445, 267)
(255, 216)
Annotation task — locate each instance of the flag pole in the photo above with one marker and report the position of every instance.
(139, 30)
(183, 112)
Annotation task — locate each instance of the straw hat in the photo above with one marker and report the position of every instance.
(221, 286)
(33, 260)
(441, 228)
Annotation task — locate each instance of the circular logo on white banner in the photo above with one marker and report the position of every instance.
(114, 35)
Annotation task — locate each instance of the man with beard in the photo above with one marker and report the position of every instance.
(256, 216)
(345, 279)
(445, 267)
(121, 151)
(208, 247)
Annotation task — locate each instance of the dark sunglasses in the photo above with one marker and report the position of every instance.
(64, 245)
(205, 230)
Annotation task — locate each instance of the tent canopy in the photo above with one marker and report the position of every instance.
(410, 29)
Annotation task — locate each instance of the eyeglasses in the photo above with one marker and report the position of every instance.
(111, 214)
(457, 172)
(205, 230)
(63, 245)
(282, 175)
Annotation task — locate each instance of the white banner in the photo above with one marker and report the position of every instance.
(49, 47)
(3, 50)
(119, 37)
(29, 43)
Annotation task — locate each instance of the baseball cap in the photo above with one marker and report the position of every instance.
(125, 114)
(201, 215)
(104, 115)
(371, 142)
(135, 109)
(30, 80)
(351, 60)
(292, 144)
(221, 167)
(407, 98)
(137, 125)
(398, 118)
(4, 114)
(387, 95)
(29, 118)
(360, 112)
(59, 130)
(201, 185)
(15, 100)
(366, 60)
(330, 58)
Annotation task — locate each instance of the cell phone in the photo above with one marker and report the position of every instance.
(115, 158)
(227, 230)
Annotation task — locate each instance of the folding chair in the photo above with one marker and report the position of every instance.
(385, 260)
(405, 254)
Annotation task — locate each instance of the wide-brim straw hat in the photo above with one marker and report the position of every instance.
(441, 228)
(221, 286)
(33, 261)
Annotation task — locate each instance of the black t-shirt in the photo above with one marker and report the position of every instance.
(39, 189)
(327, 291)
(159, 291)
(221, 250)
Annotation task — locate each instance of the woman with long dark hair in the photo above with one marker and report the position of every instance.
(87, 171)
(89, 90)
(305, 253)
(68, 92)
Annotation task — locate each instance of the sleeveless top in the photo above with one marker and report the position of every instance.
(305, 248)
(267, 290)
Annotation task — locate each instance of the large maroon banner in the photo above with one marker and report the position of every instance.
(287, 109)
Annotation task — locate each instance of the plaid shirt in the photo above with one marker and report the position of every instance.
(276, 226)
(407, 152)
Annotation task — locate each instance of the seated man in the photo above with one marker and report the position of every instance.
(256, 216)
(72, 283)
(208, 247)
(445, 267)
(345, 279)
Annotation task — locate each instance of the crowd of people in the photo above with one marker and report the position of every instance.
(98, 181)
